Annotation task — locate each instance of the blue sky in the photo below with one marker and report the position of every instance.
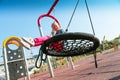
(19, 18)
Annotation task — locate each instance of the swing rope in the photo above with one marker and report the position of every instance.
(89, 17)
(92, 30)
(90, 23)
(72, 16)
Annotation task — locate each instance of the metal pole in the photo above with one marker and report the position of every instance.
(71, 62)
(5, 64)
(103, 43)
(119, 38)
(119, 42)
(67, 61)
(50, 67)
(26, 66)
(48, 59)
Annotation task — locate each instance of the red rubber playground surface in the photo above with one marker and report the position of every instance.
(108, 69)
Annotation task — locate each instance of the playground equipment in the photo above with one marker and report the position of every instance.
(14, 59)
(74, 43)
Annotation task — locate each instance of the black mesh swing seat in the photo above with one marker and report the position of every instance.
(70, 44)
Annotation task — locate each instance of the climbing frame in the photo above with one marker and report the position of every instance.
(14, 59)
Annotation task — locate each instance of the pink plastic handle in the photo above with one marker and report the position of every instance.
(46, 15)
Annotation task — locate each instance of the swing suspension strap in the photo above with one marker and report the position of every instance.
(72, 16)
(41, 59)
(90, 17)
(92, 30)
